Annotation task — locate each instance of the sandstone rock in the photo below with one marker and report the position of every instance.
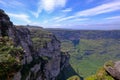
(34, 66)
(114, 71)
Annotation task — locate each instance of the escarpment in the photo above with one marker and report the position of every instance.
(37, 57)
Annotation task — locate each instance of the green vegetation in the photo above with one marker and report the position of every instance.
(10, 57)
(67, 46)
(74, 78)
(91, 54)
(109, 63)
(45, 58)
(40, 38)
(26, 67)
(40, 42)
(100, 75)
(88, 49)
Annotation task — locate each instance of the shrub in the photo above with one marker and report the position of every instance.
(100, 75)
(109, 63)
(74, 78)
(10, 58)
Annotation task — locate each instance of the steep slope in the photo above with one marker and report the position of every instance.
(41, 62)
(41, 37)
(89, 49)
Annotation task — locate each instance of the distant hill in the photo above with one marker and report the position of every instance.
(85, 34)
(89, 49)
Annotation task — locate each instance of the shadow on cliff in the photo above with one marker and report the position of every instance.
(66, 73)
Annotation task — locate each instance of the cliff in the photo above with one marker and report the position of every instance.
(89, 49)
(36, 62)
(43, 40)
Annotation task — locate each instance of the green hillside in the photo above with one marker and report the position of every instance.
(91, 54)
(89, 50)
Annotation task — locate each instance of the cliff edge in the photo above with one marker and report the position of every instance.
(44, 62)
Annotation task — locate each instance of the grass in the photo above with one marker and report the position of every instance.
(101, 74)
(74, 78)
(67, 46)
(93, 50)
(90, 54)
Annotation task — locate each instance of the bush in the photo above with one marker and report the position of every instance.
(10, 58)
(100, 75)
(109, 64)
(74, 78)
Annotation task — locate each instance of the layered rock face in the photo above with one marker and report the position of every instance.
(49, 50)
(20, 36)
(43, 63)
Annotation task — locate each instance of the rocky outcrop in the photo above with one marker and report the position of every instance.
(43, 63)
(56, 60)
(114, 70)
(65, 60)
(20, 36)
(4, 23)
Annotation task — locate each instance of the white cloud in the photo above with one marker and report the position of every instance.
(36, 14)
(80, 19)
(57, 18)
(45, 22)
(16, 3)
(71, 19)
(67, 10)
(113, 18)
(65, 18)
(49, 6)
(103, 26)
(35, 23)
(104, 8)
(21, 17)
(12, 4)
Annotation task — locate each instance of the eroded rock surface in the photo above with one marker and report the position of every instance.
(114, 71)
(41, 64)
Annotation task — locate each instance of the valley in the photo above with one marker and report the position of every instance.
(36, 53)
(88, 49)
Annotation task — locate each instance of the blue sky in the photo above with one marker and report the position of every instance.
(73, 14)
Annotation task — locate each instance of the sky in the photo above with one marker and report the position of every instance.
(69, 14)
